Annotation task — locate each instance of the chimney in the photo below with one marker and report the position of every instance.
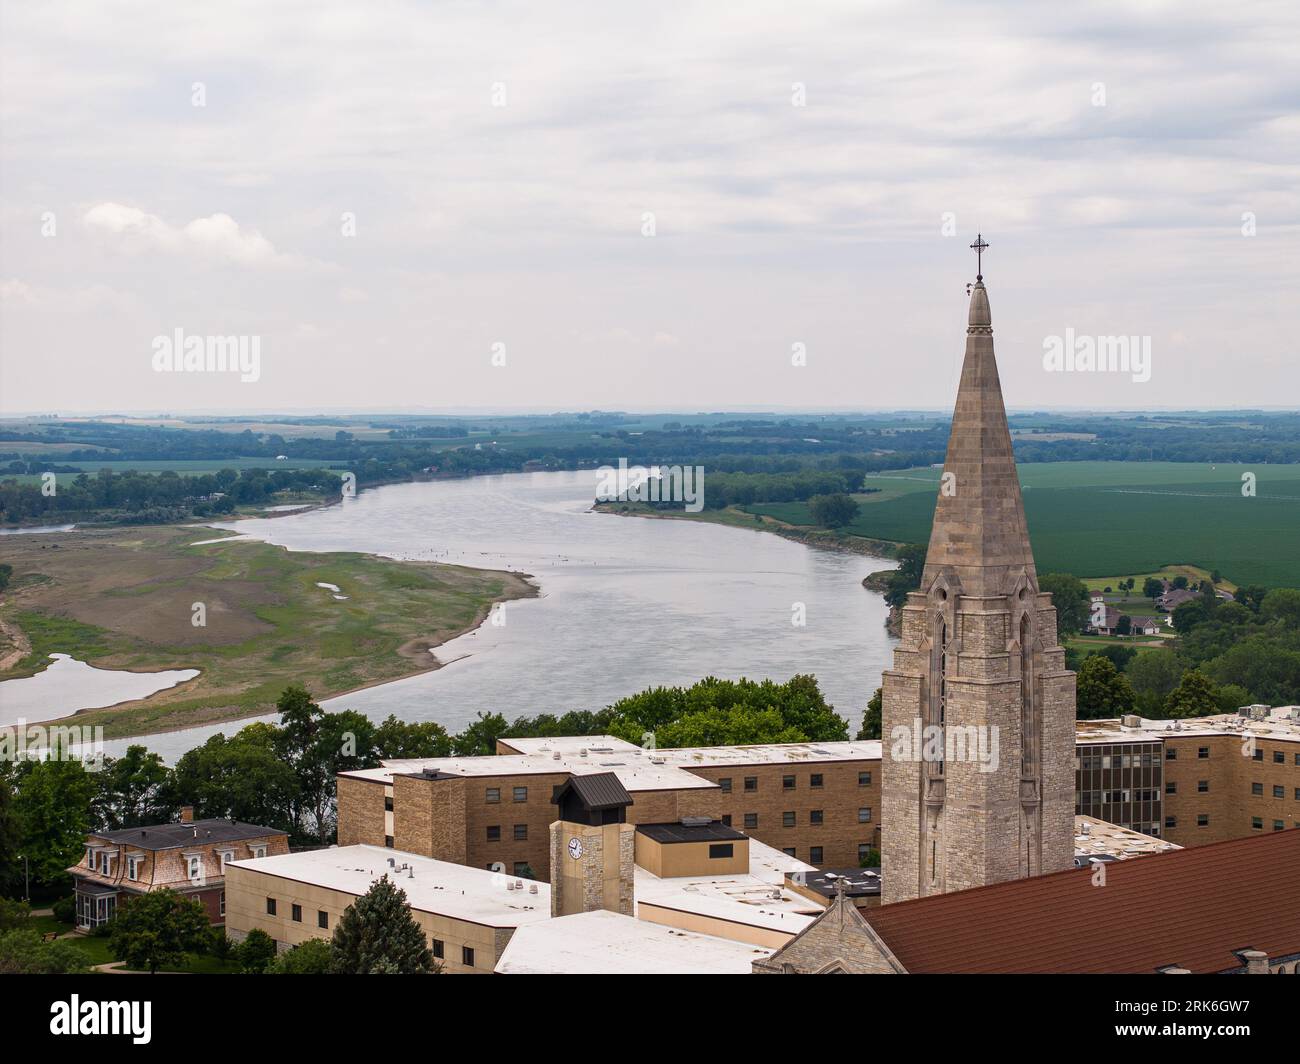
(187, 814)
(1256, 962)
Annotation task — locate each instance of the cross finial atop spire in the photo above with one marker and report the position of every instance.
(978, 248)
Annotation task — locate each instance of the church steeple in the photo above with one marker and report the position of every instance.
(979, 520)
(985, 791)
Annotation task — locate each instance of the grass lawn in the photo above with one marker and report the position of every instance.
(123, 598)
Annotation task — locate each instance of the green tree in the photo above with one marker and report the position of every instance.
(1103, 691)
(132, 791)
(1152, 588)
(871, 716)
(156, 929)
(1282, 605)
(480, 736)
(52, 808)
(833, 511)
(397, 738)
(241, 778)
(1124, 626)
(377, 935)
(907, 577)
(1154, 673)
(23, 953)
(1070, 597)
(1195, 696)
(14, 914)
(307, 958)
(871, 860)
(256, 953)
(737, 725)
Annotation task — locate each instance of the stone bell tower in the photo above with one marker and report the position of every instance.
(978, 712)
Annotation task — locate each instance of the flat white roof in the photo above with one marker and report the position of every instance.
(438, 887)
(606, 943)
(759, 899)
(1278, 722)
(637, 769)
(1093, 837)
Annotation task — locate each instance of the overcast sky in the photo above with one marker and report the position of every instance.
(1113, 155)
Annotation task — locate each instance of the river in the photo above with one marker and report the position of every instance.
(626, 603)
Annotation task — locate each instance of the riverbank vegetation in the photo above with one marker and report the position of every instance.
(251, 617)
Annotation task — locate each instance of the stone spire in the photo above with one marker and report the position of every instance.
(978, 710)
(979, 521)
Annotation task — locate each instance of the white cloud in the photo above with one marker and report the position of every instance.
(217, 236)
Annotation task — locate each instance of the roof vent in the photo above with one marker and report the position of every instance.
(582, 752)
(696, 821)
(555, 756)
(532, 888)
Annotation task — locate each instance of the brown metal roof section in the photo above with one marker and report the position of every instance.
(1191, 908)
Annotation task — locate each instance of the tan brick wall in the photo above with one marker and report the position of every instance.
(361, 812)
(1229, 803)
(247, 891)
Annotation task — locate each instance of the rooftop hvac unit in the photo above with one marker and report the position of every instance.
(532, 888)
(696, 821)
(519, 884)
(555, 756)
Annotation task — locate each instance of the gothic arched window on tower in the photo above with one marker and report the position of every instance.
(1028, 731)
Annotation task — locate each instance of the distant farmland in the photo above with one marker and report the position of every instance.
(1113, 518)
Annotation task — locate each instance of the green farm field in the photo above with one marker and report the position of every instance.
(1100, 518)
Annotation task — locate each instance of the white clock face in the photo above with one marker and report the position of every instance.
(575, 848)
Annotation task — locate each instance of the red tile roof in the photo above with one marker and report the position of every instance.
(1187, 908)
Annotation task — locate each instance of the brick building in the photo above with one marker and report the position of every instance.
(189, 857)
(816, 802)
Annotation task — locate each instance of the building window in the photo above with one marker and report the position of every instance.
(1171, 754)
(523, 869)
(494, 833)
(1257, 788)
(725, 784)
(864, 851)
(493, 795)
(1297, 794)
(1278, 825)
(520, 794)
(816, 817)
(467, 956)
(815, 855)
(1258, 755)
(1257, 822)
(1202, 786)
(864, 779)
(720, 850)
(787, 820)
(788, 851)
(222, 905)
(196, 867)
(1202, 820)
(270, 906)
(295, 913)
(726, 818)
(1279, 791)
(1171, 787)
(133, 868)
(388, 803)
(322, 919)
(1171, 822)
(751, 820)
(815, 780)
(521, 833)
(258, 851)
(438, 949)
(751, 783)
(787, 783)
(864, 815)
(1203, 752)
(1278, 757)
(388, 841)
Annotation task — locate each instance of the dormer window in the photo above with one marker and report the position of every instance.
(226, 855)
(258, 851)
(106, 862)
(133, 867)
(195, 867)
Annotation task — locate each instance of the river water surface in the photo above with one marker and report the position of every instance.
(626, 603)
